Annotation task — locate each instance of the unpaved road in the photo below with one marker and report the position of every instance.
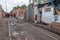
(27, 31)
(4, 35)
(21, 30)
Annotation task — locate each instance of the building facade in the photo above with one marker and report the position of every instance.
(1, 11)
(19, 12)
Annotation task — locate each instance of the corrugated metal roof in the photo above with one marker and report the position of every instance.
(43, 1)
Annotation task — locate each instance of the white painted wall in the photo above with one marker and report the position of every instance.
(48, 17)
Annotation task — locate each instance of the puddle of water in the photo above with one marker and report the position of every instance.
(21, 35)
(23, 32)
(15, 33)
(21, 24)
(12, 23)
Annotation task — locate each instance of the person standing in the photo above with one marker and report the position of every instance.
(35, 19)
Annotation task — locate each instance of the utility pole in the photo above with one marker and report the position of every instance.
(29, 1)
(9, 27)
(6, 5)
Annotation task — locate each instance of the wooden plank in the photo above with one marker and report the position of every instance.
(56, 25)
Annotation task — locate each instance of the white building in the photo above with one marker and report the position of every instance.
(48, 14)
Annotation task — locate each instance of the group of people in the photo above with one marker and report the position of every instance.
(8, 15)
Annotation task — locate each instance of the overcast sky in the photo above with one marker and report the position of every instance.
(12, 3)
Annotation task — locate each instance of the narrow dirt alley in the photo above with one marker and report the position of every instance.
(16, 29)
